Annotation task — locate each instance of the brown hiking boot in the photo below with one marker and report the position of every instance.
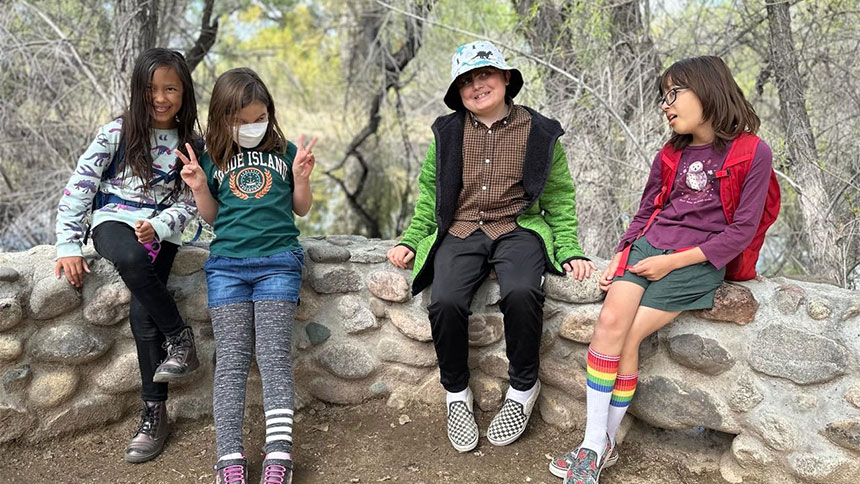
(151, 434)
(181, 358)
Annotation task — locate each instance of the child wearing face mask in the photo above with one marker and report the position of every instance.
(248, 186)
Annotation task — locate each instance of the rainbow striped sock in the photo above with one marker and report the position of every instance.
(600, 380)
(625, 386)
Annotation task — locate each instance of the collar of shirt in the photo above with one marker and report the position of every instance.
(476, 122)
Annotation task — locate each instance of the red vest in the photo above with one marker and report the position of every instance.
(732, 176)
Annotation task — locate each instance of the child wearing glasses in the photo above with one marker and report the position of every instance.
(495, 193)
(709, 198)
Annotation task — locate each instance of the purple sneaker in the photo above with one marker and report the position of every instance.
(233, 471)
(277, 471)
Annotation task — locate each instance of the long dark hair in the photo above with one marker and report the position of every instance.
(723, 102)
(233, 91)
(138, 118)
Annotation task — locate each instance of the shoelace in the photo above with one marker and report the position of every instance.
(234, 475)
(148, 417)
(274, 474)
(175, 344)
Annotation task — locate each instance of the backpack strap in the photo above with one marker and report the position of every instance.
(734, 172)
(669, 158)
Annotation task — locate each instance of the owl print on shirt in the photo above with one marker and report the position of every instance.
(697, 182)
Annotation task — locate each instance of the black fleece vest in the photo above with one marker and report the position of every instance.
(448, 131)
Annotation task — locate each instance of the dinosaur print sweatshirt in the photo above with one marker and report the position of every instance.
(77, 199)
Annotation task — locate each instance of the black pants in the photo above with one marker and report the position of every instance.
(153, 314)
(460, 266)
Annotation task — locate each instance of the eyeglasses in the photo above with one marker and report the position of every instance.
(481, 74)
(671, 95)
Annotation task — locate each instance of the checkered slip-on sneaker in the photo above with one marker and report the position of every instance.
(511, 421)
(586, 467)
(559, 466)
(462, 429)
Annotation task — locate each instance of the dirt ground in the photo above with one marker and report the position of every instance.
(367, 444)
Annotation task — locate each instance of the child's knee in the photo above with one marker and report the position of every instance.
(610, 324)
(131, 264)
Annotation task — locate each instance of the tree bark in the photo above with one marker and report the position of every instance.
(802, 163)
(135, 24)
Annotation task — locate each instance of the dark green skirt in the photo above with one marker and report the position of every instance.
(684, 289)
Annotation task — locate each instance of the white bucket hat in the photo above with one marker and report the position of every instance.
(473, 56)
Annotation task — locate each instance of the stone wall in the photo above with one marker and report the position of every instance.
(775, 362)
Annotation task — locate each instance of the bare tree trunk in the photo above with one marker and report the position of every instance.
(135, 24)
(625, 69)
(206, 39)
(822, 237)
(372, 48)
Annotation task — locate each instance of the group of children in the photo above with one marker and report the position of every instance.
(495, 193)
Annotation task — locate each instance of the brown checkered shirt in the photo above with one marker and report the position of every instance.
(492, 193)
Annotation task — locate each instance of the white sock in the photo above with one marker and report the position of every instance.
(520, 396)
(279, 455)
(237, 455)
(618, 405)
(462, 396)
(613, 421)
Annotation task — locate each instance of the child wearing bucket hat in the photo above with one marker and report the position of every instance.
(494, 193)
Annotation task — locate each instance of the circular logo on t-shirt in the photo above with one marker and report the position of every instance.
(250, 181)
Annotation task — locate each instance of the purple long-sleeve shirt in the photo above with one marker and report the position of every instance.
(693, 216)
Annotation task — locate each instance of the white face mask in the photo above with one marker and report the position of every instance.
(250, 135)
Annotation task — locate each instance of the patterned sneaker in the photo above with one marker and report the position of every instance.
(462, 429)
(511, 421)
(233, 471)
(559, 466)
(586, 468)
(277, 471)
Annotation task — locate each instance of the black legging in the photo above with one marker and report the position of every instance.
(153, 314)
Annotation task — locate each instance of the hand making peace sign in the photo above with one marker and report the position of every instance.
(303, 163)
(191, 173)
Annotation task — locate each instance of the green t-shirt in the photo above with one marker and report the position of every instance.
(255, 204)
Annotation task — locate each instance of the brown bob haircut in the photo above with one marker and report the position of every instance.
(723, 102)
(235, 90)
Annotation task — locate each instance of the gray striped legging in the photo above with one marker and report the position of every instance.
(234, 325)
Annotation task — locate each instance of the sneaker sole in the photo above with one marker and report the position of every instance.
(465, 448)
(562, 473)
(166, 377)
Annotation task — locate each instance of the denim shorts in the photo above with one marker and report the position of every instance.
(275, 277)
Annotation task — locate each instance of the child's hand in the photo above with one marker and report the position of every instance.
(609, 273)
(653, 268)
(73, 268)
(144, 231)
(191, 173)
(580, 268)
(400, 256)
(303, 163)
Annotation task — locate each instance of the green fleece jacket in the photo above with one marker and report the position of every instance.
(551, 212)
